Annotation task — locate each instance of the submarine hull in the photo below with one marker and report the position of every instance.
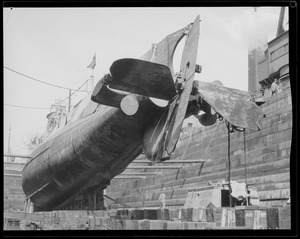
(103, 143)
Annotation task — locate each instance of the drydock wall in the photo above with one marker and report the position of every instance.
(267, 156)
(14, 197)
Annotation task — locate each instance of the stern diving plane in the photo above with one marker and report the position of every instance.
(139, 107)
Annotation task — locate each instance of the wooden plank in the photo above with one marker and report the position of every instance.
(185, 161)
(155, 167)
(231, 228)
(38, 217)
(284, 217)
(251, 216)
(272, 186)
(143, 224)
(272, 218)
(175, 225)
(275, 194)
(163, 214)
(225, 217)
(158, 225)
(130, 225)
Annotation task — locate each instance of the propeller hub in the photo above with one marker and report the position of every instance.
(129, 104)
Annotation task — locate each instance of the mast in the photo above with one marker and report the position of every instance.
(92, 66)
(8, 147)
(92, 80)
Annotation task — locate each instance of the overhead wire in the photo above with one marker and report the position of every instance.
(8, 16)
(29, 77)
(26, 133)
(27, 107)
(77, 90)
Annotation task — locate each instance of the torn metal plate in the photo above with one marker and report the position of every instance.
(233, 105)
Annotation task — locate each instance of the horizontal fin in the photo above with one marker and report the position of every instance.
(232, 104)
(143, 78)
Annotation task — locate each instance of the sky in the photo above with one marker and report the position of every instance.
(56, 45)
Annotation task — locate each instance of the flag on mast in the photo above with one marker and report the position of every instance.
(93, 63)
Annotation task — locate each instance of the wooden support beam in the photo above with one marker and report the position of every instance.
(154, 167)
(14, 164)
(17, 156)
(175, 161)
(94, 200)
(24, 216)
(14, 175)
(129, 177)
(138, 173)
(38, 190)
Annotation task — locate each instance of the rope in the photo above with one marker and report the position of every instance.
(229, 163)
(231, 128)
(245, 167)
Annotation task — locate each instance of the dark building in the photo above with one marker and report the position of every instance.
(275, 64)
(264, 66)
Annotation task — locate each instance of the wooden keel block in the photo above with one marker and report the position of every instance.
(158, 225)
(225, 217)
(143, 225)
(173, 214)
(198, 225)
(183, 214)
(279, 217)
(119, 225)
(130, 225)
(285, 217)
(175, 225)
(151, 214)
(137, 214)
(163, 214)
(251, 216)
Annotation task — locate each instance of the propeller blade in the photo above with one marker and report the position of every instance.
(187, 67)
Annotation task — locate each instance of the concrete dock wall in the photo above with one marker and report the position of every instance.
(267, 156)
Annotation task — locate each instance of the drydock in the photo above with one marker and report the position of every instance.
(221, 175)
(185, 195)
